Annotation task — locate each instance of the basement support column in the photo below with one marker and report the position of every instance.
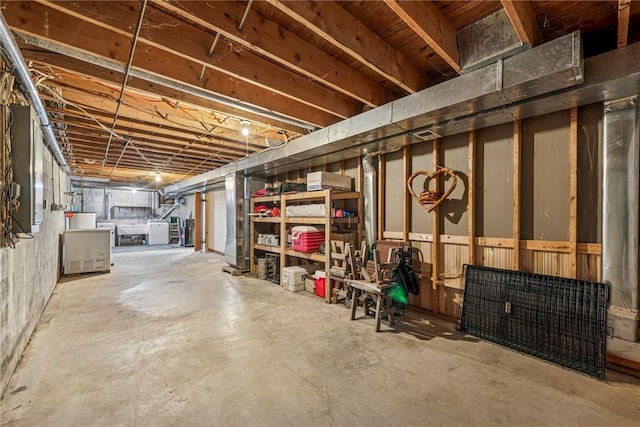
(620, 215)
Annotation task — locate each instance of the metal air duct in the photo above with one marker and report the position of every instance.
(620, 215)
(370, 200)
(238, 190)
(550, 67)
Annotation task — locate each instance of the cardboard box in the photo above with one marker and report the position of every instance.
(322, 180)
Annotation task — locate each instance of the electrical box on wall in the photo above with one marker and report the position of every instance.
(27, 166)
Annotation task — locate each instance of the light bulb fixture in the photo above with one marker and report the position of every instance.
(134, 190)
(158, 177)
(245, 128)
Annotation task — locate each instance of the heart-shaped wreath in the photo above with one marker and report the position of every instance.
(430, 199)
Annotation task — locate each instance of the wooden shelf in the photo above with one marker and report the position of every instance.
(266, 248)
(305, 220)
(265, 199)
(311, 256)
(327, 197)
(272, 219)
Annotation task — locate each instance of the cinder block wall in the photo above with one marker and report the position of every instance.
(28, 275)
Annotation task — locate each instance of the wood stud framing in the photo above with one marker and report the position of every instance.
(381, 195)
(573, 192)
(517, 144)
(406, 206)
(471, 197)
(435, 231)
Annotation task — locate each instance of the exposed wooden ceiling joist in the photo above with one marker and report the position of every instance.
(335, 25)
(428, 22)
(161, 31)
(523, 20)
(279, 45)
(624, 8)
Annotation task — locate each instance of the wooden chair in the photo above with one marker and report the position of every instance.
(375, 286)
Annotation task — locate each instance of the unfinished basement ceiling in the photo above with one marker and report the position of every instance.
(201, 71)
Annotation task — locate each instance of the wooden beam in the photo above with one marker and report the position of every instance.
(158, 111)
(280, 45)
(67, 69)
(406, 197)
(523, 19)
(624, 9)
(163, 32)
(63, 30)
(426, 20)
(332, 23)
(573, 193)
(517, 143)
(471, 198)
(435, 232)
(382, 177)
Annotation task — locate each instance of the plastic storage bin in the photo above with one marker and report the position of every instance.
(293, 278)
(305, 238)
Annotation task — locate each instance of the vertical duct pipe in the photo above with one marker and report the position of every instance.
(234, 243)
(238, 190)
(370, 200)
(620, 215)
(107, 206)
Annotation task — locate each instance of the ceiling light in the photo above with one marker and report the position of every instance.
(158, 177)
(134, 190)
(245, 128)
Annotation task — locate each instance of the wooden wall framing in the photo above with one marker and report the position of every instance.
(442, 289)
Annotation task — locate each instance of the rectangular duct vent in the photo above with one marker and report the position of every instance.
(427, 135)
(553, 318)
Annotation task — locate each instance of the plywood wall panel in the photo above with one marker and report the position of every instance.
(495, 257)
(494, 181)
(551, 263)
(545, 177)
(394, 183)
(590, 173)
(453, 258)
(450, 301)
(421, 159)
(453, 212)
(588, 267)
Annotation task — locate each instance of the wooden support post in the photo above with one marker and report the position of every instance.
(406, 197)
(517, 141)
(382, 177)
(198, 220)
(435, 250)
(471, 198)
(342, 168)
(3, 148)
(360, 177)
(573, 194)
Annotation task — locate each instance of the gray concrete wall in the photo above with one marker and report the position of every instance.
(28, 275)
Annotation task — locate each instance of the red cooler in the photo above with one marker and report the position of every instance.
(306, 239)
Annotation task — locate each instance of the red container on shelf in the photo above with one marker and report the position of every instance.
(320, 281)
(306, 239)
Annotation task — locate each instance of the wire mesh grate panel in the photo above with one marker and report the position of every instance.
(557, 319)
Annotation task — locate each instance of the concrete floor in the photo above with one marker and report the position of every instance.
(168, 339)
